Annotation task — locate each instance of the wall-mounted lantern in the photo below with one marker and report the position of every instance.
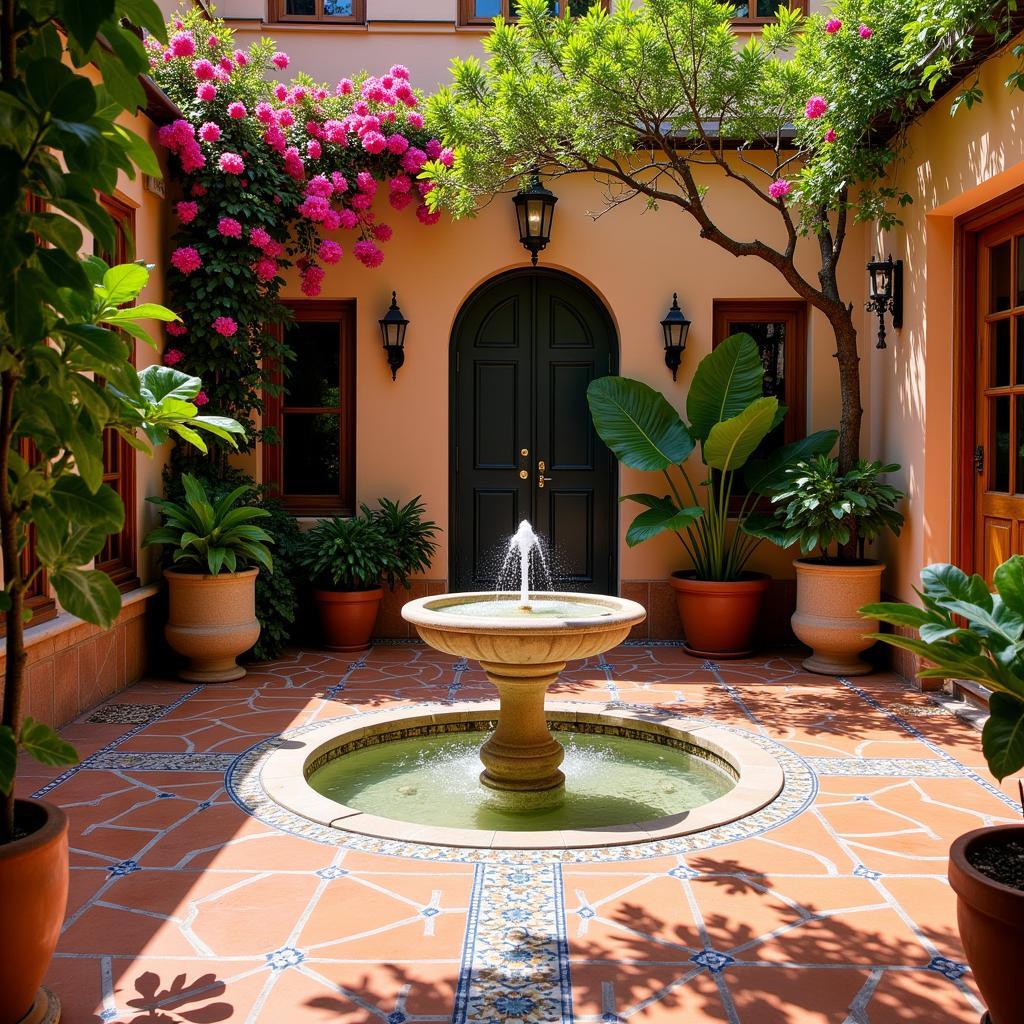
(392, 330)
(535, 210)
(886, 294)
(675, 328)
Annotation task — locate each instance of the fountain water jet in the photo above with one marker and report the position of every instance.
(523, 647)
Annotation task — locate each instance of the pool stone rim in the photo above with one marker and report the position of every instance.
(759, 778)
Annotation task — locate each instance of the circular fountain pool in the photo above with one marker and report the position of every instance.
(632, 776)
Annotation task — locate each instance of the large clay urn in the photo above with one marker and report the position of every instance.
(990, 917)
(828, 597)
(720, 618)
(33, 898)
(347, 617)
(211, 621)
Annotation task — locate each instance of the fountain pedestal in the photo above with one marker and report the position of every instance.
(521, 757)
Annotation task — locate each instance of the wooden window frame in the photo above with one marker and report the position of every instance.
(794, 313)
(468, 18)
(798, 5)
(278, 13)
(122, 566)
(343, 313)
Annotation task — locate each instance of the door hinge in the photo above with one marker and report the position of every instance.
(979, 459)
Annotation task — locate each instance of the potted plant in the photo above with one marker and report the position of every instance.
(217, 551)
(829, 512)
(718, 598)
(965, 632)
(409, 536)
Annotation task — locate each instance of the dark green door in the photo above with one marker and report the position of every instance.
(525, 347)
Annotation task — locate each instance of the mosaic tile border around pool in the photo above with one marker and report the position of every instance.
(245, 787)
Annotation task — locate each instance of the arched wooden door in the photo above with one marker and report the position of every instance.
(525, 346)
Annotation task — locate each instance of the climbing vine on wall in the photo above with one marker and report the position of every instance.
(272, 174)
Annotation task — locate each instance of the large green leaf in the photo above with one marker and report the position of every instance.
(82, 18)
(1002, 739)
(944, 582)
(763, 476)
(734, 440)
(88, 594)
(638, 424)
(123, 283)
(160, 382)
(1009, 581)
(45, 745)
(726, 381)
(662, 514)
(79, 505)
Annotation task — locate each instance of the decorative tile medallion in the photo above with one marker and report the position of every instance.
(245, 787)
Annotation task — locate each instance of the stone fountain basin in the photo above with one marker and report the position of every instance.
(518, 640)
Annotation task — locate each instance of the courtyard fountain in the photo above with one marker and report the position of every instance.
(414, 773)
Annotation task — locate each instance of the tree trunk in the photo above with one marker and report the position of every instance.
(851, 412)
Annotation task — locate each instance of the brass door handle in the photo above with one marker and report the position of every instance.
(541, 478)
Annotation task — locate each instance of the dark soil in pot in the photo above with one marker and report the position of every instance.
(1003, 864)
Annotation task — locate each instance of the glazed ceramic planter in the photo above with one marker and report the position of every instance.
(347, 617)
(827, 620)
(719, 619)
(990, 917)
(33, 895)
(211, 621)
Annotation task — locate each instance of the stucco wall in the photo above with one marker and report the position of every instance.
(951, 166)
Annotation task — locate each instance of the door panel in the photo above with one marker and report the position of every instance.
(525, 348)
(999, 500)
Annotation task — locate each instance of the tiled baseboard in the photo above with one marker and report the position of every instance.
(72, 666)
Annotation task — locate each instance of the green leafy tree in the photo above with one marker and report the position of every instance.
(965, 632)
(662, 104)
(65, 369)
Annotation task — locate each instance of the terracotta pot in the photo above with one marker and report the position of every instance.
(826, 616)
(719, 619)
(34, 896)
(991, 921)
(211, 621)
(347, 617)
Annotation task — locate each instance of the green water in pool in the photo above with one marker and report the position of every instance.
(434, 780)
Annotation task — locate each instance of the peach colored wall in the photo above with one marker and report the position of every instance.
(632, 259)
(950, 166)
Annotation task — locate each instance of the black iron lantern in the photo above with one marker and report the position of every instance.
(535, 210)
(392, 331)
(675, 327)
(885, 289)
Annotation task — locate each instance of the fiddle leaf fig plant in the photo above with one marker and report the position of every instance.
(729, 418)
(966, 632)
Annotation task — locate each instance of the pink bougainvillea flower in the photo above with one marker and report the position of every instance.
(285, 118)
(260, 238)
(414, 160)
(319, 186)
(186, 259)
(237, 110)
(225, 326)
(177, 329)
(382, 232)
(399, 71)
(864, 32)
(332, 220)
(344, 87)
(368, 254)
(173, 356)
(241, 58)
(227, 65)
(211, 42)
(830, 135)
(182, 44)
(201, 399)
(816, 106)
(397, 144)
(311, 280)
(206, 91)
(433, 149)
(192, 158)
(425, 216)
(348, 219)
(365, 183)
(293, 163)
(401, 183)
(229, 227)
(400, 200)
(203, 70)
(209, 132)
(415, 119)
(780, 189)
(280, 60)
(231, 163)
(281, 92)
(361, 201)
(833, 25)
(186, 211)
(265, 268)
(264, 112)
(314, 150)
(447, 157)
(374, 142)
(330, 252)
(403, 92)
